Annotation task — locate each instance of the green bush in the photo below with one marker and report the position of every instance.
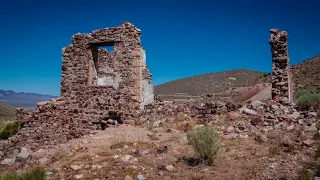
(205, 142)
(308, 100)
(37, 173)
(300, 92)
(305, 174)
(9, 129)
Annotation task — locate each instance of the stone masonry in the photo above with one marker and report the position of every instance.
(282, 87)
(97, 86)
(98, 81)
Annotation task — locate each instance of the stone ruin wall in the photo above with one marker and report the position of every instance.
(126, 90)
(123, 69)
(282, 84)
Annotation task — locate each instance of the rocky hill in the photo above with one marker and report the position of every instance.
(212, 83)
(21, 99)
(307, 74)
(6, 110)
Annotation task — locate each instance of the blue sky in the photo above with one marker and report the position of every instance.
(181, 38)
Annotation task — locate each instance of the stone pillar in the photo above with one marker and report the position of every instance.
(282, 87)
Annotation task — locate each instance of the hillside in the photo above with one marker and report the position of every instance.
(307, 74)
(21, 99)
(7, 113)
(212, 83)
(6, 110)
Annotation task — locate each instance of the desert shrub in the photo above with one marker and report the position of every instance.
(150, 125)
(308, 100)
(37, 173)
(274, 150)
(305, 174)
(317, 152)
(205, 142)
(9, 129)
(300, 92)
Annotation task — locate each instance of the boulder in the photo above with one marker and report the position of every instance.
(23, 155)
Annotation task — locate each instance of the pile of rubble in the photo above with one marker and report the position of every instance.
(241, 121)
(262, 117)
(50, 124)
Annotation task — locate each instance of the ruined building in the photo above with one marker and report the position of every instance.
(282, 84)
(98, 81)
(95, 84)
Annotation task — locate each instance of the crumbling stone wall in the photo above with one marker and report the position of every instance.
(282, 87)
(124, 84)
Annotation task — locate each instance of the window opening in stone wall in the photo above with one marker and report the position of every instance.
(108, 48)
(100, 74)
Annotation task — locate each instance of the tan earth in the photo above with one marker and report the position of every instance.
(124, 152)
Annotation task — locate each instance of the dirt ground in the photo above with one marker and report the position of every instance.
(125, 152)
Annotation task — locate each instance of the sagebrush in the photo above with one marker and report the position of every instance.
(308, 101)
(205, 142)
(9, 129)
(305, 174)
(37, 173)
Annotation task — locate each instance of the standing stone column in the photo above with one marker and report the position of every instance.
(282, 87)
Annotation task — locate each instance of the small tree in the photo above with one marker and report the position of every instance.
(205, 142)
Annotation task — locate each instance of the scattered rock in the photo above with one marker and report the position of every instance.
(77, 147)
(79, 176)
(289, 128)
(157, 124)
(23, 155)
(256, 121)
(49, 173)
(312, 114)
(111, 121)
(199, 126)
(308, 142)
(141, 177)
(205, 170)
(256, 104)
(233, 115)
(142, 152)
(311, 128)
(286, 141)
(43, 161)
(294, 115)
(261, 138)
(126, 158)
(250, 111)
(169, 168)
(76, 167)
(230, 129)
(8, 161)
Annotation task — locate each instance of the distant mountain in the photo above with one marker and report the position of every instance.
(212, 83)
(21, 99)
